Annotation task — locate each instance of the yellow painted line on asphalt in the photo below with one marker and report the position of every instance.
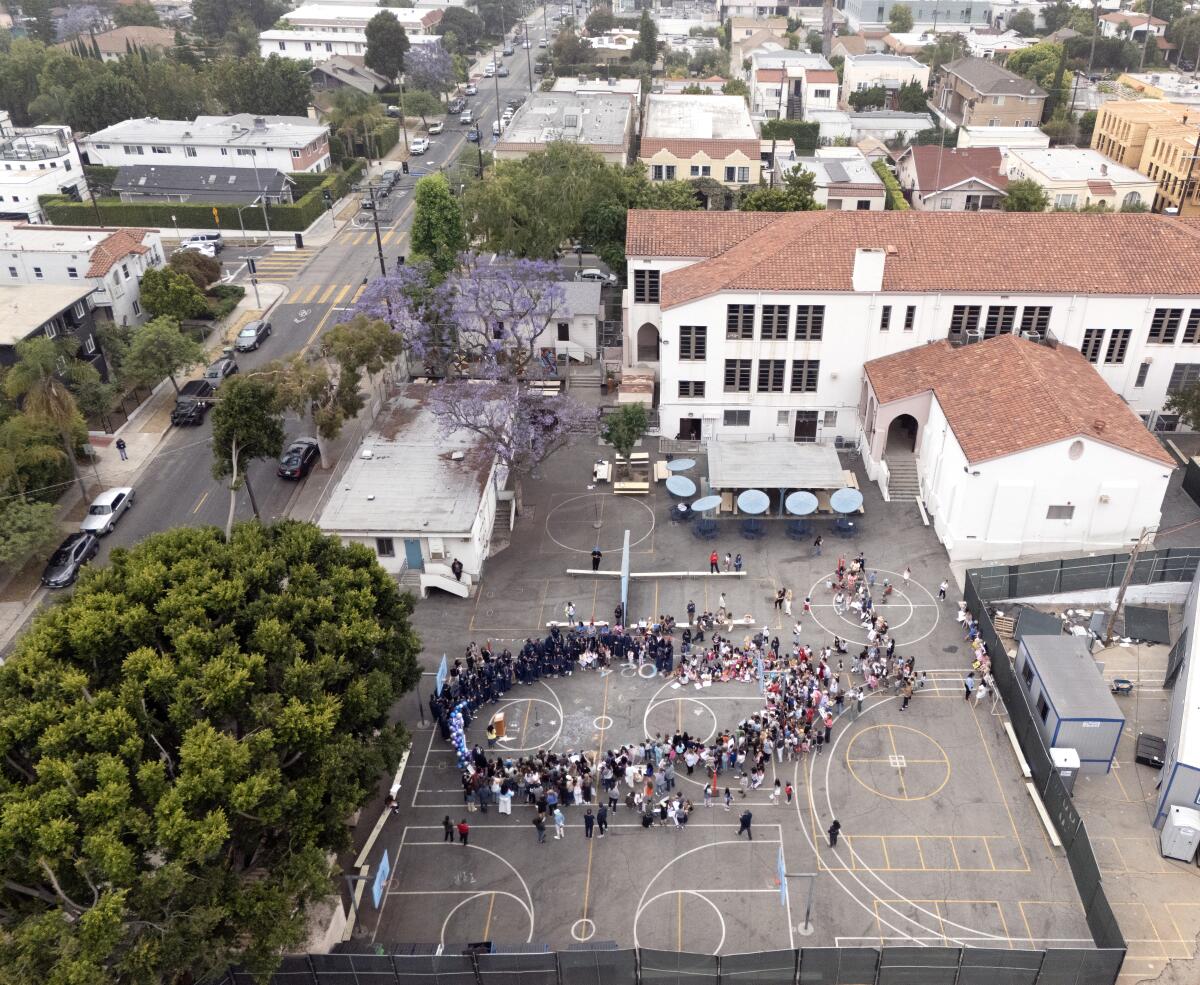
(342, 294)
(328, 293)
(358, 294)
(387, 237)
(200, 502)
(312, 293)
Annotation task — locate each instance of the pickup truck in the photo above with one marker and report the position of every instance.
(192, 402)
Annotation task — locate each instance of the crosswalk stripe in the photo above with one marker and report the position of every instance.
(388, 238)
(328, 292)
(342, 294)
(312, 293)
(358, 293)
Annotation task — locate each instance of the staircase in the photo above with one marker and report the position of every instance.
(587, 375)
(903, 483)
(501, 531)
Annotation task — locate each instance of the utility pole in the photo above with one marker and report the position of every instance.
(495, 78)
(1146, 36)
(1187, 183)
(826, 28)
(529, 55)
(1095, 34)
(378, 238)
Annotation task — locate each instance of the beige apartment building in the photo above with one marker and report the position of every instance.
(978, 92)
(1159, 139)
(1123, 126)
(1170, 161)
(686, 137)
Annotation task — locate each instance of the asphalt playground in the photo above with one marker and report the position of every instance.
(940, 842)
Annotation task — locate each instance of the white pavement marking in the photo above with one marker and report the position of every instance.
(699, 895)
(475, 896)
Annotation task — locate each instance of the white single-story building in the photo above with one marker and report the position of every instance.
(1017, 447)
(577, 334)
(1180, 785)
(417, 498)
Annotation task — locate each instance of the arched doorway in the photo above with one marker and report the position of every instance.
(902, 435)
(647, 344)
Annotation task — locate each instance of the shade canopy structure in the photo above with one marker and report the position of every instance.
(846, 500)
(773, 465)
(681, 464)
(753, 501)
(680, 485)
(801, 503)
(706, 503)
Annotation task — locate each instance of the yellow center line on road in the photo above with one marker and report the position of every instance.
(200, 501)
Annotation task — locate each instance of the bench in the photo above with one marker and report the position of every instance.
(1021, 761)
(571, 625)
(631, 488)
(602, 472)
(661, 472)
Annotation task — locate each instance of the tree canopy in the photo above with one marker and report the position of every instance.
(1040, 64)
(900, 20)
(171, 293)
(1026, 195)
(158, 348)
(387, 44)
(646, 47)
(796, 193)
(438, 231)
(460, 29)
(184, 739)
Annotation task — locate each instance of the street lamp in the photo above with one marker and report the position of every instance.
(175, 223)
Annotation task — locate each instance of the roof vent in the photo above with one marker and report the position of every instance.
(456, 456)
(1099, 425)
(260, 123)
(892, 251)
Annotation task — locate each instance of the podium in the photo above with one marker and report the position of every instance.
(498, 724)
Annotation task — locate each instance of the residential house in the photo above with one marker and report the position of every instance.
(887, 125)
(322, 43)
(963, 179)
(748, 34)
(37, 161)
(1171, 86)
(612, 46)
(729, 309)
(996, 45)
(789, 84)
(1131, 25)
(700, 137)
(602, 121)
(1075, 177)
(846, 45)
(109, 262)
(977, 91)
(121, 41)
(345, 71)
(218, 186)
(418, 498)
(891, 72)
(281, 143)
(910, 43)
(577, 335)
(56, 311)
(1123, 126)
(985, 136)
(1018, 448)
(845, 180)
(943, 13)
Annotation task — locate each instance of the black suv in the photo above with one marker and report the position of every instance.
(192, 402)
(65, 564)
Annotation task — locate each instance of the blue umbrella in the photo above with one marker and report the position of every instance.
(801, 503)
(681, 464)
(846, 500)
(753, 501)
(680, 485)
(706, 504)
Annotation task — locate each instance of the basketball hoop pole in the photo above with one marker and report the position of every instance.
(806, 927)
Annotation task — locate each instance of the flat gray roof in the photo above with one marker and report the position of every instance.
(582, 297)
(24, 308)
(600, 118)
(411, 485)
(773, 465)
(1071, 677)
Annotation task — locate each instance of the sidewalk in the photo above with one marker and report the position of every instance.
(319, 234)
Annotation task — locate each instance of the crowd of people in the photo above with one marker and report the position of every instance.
(804, 690)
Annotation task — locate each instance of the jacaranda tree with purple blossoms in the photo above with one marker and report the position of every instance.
(489, 320)
(429, 67)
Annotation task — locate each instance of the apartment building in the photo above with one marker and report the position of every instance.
(36, 161)
(1159, 139)
(280, 143)
(1170, 161)
(700, 137)
(758, 324)
(1075, 178)
(28, 311)
(112, 261)
(941, 14)
(789, 85)
(977, 91)
(891, 72)
(352, 18)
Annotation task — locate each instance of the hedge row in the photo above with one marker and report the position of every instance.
(198, 215)
(895, 197)
(806, 136)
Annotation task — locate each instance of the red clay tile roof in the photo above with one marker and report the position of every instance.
(659, 233)
(718, 149)
(820, 75)
(769, 75)
(110, 251)
(1006, 395)
(956, 166)
(1101, 187)
(963, 252)
(854, 44)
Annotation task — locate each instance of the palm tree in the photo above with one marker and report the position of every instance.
(354, 113)
(22, 446)
(38, 381)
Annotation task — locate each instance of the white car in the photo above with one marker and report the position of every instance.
(204, 249)
(418, 146)
(496, 128)
(437, 126)
(106, 510)
(594, 276)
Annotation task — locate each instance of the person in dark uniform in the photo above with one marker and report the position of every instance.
(745, 820)
(596, 556)
(834, 830)
(457, 567)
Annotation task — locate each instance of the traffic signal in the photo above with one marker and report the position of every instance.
(325, 194)
(404, 166)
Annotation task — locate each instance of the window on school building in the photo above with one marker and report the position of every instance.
(910, 318)
(1000, 320)
(1183, 375)
(737, 375)
(771, 374)
(1164, 325)
(1191, 332)
(737, 418)
(1118, 345)
(1093, 340)
(963, 319)
(693, 341)
(691, 388)
(804, 375)
(645, 287)
(739, 321)
(775, 320)
(885, 318)
(1036, 318)
(810, 322)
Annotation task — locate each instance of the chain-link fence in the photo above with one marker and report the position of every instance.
(1079, 574)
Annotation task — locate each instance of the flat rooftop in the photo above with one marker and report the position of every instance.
(24, 308)
(16, 237)
(698, 118)
(242, 130)
(1076, 164)
(572, 83)
(594, 118)
(849, 169)
(411, 483)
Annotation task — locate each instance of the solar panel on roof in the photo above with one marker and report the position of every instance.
(837, 173)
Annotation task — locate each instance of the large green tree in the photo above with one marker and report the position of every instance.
(31, 458)
(158, 348)
(795, 194)
(1026, 195)
(27, 529)
(217, 18)
(139, 14)
(247, 425)
(387, 43)
(900, 20)
(646, 47)
(1039, 63)
(460, 29)
(183, 741)
(1023, 23)
(862, 99)
(438, 231)
(170, 293)
(912, 98)
(272, 86)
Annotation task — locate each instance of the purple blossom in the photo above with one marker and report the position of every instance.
(429, 66)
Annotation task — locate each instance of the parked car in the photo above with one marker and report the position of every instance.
(212, 239)
(65, 564)
(221, 368)
(595, 276)
(298, 460)
(466, 117)
(252, 336)
(496, 128)
(473, 135)
(539, 69)
(502, 71)
(507, 50)
(106, 510)
(192, 402)
(489, 71)
(542, 43)
(472, 89)
(418, 146)
(204, 249)
(437, 126)
(456, 105)
(526, 44)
